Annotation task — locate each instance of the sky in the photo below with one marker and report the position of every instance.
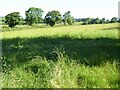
(78, 8)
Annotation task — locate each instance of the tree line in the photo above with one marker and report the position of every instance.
(87, 21)
(34, 16)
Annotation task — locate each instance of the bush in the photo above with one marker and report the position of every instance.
(85, 23)
(52, 23)
(70, 21)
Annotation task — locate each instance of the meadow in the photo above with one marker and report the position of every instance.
(77, 56)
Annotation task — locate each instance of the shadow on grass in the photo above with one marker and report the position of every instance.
(92, 52)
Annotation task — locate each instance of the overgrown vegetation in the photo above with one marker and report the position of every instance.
(75, 56)
(12, 19)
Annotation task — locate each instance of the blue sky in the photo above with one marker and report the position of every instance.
(78, 8)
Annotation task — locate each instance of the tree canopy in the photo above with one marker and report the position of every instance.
(67, 18)
(33, 15)
(53, 17)
(13, 19)
(114, 19)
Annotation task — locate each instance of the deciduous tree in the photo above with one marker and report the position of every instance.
(53, 17)
(33, 15)
(67, 18)
(12, 19)
(114, 19)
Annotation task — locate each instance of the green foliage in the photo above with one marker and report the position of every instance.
(2, 20)
(67, 18)
(12, 19)
(114, 19)
(64, 57)
(97, 21)
(70, 20)
(33, 15)
(107, 21)
(53, 17)
(88, 21)
(94, 21)
(85, 23)
(63, 73)
(103, 21)
(22, 21)
(52, 23)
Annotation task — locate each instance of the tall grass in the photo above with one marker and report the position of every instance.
(88, 31)
(61, 57)
(64, 73)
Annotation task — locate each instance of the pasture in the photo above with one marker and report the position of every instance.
(77, 56)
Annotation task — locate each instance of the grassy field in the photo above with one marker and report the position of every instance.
(78, 56)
